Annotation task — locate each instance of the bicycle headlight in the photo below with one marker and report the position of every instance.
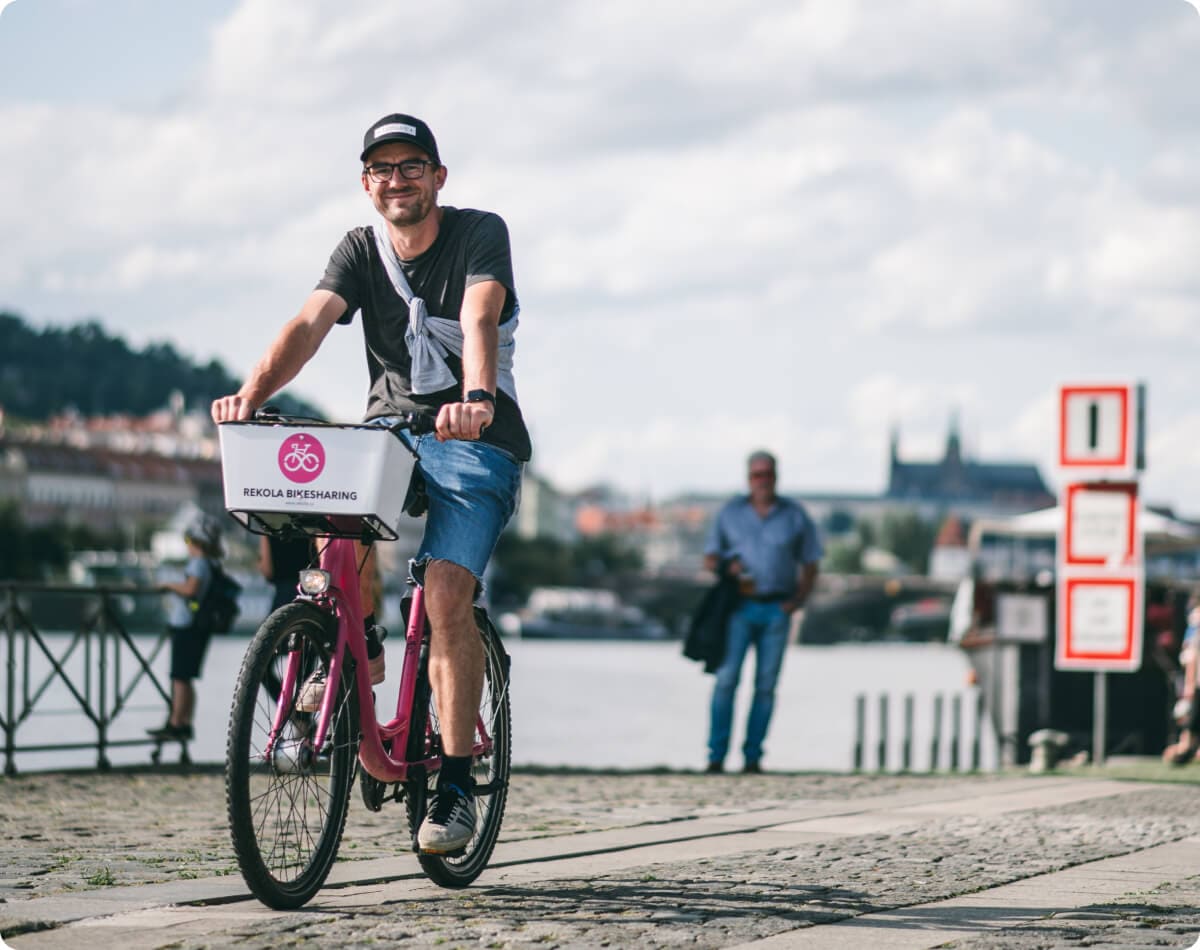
(314, 581)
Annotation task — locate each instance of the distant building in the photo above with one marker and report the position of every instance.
(1016, 486)
(111, 473)
(103, 489)
(932, 490)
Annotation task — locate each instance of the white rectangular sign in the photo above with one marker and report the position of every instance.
(1098, 432)
(1022, 617)
(1100, 622)
(1101, 526)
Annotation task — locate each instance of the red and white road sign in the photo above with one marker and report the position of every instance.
(1100, 622)
(1100, 526)
(1098, 430)
(1101, 578)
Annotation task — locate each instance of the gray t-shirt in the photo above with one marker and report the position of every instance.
(471, 246)
(179, 611)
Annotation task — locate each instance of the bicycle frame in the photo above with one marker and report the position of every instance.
(342, 599)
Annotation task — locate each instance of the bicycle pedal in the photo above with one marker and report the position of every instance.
(456, 853)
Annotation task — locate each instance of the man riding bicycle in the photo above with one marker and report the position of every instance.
(439, 309)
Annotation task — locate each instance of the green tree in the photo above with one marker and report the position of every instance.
(843, 556)
(909, 538)
(604, 556)
(28, 554)
(38, 552)
(521, 564)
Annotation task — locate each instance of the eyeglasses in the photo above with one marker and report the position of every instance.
(410, 168)
(762, 473)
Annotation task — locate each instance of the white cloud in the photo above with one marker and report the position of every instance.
(791, 224)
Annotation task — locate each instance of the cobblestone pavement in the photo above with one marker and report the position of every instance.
(69, 833)
(81, 830)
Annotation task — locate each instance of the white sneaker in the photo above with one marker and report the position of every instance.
(313, 690)
(450, 823)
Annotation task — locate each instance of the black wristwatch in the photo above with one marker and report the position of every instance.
(480, 395)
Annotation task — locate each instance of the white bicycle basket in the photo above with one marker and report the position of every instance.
(320, 480)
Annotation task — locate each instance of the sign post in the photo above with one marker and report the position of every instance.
(1101, 574)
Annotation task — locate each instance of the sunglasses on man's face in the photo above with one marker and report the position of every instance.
(762, 473)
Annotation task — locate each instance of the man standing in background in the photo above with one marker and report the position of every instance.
(770, 545)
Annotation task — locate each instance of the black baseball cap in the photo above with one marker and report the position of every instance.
(399, 127)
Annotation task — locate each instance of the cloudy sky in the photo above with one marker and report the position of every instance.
(742, 223)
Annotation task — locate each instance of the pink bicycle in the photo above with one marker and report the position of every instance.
(289, 774)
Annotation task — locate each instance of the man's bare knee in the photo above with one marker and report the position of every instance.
(449, 591)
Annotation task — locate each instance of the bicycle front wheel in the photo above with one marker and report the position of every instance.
(287, 801)
(490, 772)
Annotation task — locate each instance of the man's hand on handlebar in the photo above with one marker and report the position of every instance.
(232, 409)
(464, 420)
(456, 420)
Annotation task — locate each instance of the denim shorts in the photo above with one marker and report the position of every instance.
(472, 489)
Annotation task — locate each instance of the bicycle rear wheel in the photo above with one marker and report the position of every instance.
(490, 772)
(287, 809)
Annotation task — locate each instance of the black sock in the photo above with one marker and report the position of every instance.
(456, 770)
(374, 647)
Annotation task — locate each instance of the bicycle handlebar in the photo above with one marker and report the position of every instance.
(416, 421)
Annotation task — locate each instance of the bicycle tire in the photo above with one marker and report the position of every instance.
(490, 773)
(286, 816)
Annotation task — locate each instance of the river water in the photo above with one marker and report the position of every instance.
(611, 704)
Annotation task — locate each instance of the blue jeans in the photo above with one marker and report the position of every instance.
(766, 627)
(472, 490)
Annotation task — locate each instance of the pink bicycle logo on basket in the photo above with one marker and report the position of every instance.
(301, 457)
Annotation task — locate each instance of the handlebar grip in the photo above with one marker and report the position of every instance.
(418, 421)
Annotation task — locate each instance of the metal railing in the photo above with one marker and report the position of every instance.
(91, 660)
(946, 735)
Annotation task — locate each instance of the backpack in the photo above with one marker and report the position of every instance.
(217, 611)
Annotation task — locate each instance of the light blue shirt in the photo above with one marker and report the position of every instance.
(772, 549)
(179, 611)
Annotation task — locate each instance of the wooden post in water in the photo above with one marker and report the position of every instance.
(906, 744)
(860, 727)
(977, 738)
(935, 743)
(955, 729)
(881, 755)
